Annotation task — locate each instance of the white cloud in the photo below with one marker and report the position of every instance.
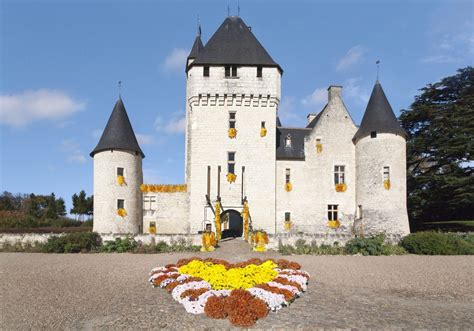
(176, 124)
(21, 109)
(439, 59)
(353, 89)
(288, 113)
(353, 56)
(318, 98)
(176, 60)
(145, 139)
(73, 151)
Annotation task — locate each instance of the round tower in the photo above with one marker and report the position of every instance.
(117, 177)
(381, 193)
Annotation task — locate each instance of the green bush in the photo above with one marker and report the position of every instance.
(73, 243)
(437, 243)
(120, 245)
(373, 245)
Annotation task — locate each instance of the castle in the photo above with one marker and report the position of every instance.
(328, 176)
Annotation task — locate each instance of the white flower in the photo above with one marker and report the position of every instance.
(290, 288)
(197, 306)
(274, 301)
(178, 290)
(301, 280)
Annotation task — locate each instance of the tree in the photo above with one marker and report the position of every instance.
(440, 127)
(81, 205)
(60, 207)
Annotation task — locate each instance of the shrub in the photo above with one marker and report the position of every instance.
(437, 243)
(73, 243)
(373, 245)
(120, 245)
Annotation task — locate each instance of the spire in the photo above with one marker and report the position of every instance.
(378, 116)
(118, 133)
(197, 46)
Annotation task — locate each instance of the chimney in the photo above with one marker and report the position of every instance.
(310, 117)
(334, 91)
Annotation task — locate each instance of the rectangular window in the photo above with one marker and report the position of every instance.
(227, 71)
(120, 171)
(231, 162)
(149, 202)
(373, 134)
(287, 176)
(259, 71)
(339, 174)
(206, 72)
(386, 173)
(359, 211)
(287, 217)
(332, 212)
(232, 120)
(234, 71)
(120, 203)
(263, 125)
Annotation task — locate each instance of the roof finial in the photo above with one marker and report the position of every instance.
(199, 27)
(238, 8)
(228, 10)
(120, 88)
(378, 66)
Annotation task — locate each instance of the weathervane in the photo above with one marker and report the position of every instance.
(378, 66)
(120, 87)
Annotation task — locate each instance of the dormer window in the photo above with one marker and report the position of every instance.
(205, 71)
(288, 140)
(259, 72)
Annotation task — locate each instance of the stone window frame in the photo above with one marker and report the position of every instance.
(259, 71)
(230, 71)
(150, 200)
(386, 173)
(231, 163)
(118, 172)
(333, 210)
(339, 174)
(120, 204)
(206, 71)
(232, 119)
(287, 216)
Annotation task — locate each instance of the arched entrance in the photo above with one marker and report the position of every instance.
(234, 226)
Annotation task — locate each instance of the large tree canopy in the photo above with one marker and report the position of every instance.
(440, 127)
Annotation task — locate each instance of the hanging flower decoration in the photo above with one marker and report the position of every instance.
(387, 184)
(288, 225)
(335, 224)
(341, 187)
(208, 242)
(232, 132)
(217, 220)
(245, 216)
(242, 292)
(260, 239)
(163, 188)
(231, 177)
(288, 187)
(122, 212)
(120, 180)
(263, 132)
(319, 148)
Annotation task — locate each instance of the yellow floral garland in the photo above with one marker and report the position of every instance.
(263, 132)
(217, 220)
(208, 242)
(334, 224)
(120, 180)
(163, 188)
(319, 148)
(231, 177)
(387, 184)
(245, 217)
(232, 132)
(288, 187)
(260, 238)
(121, 212)
(288, 225)
(342, 187)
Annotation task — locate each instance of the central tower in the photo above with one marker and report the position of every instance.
(232, 97)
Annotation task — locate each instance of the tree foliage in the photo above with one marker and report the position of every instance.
(82, 205)
(440, 126)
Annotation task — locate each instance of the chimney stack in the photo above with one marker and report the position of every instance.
(334, 91)
(310, 117)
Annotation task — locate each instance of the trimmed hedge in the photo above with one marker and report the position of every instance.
(437, 243)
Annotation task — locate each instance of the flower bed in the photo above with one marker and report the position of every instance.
(242, 292)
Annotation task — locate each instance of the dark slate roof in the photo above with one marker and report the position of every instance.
(378, 116)
(197, 47)
(118, 133)
(234, 43)
(296, 151)
(278, 121)
(315, 120)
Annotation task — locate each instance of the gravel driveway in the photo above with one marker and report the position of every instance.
(92, 291)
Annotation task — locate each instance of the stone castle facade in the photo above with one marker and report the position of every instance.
(328, 177)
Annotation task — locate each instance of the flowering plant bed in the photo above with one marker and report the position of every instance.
(242, 292)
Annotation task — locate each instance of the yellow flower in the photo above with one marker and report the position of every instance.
(217, 220)
(163, 188)
(288, 225)
(208, 241)
(334, 224)
(245, 217)
(319, 148)
(341, 187)
(387, 184)
(144, 188)
(122, 212)
(263, 132)
(232, 132)
(120, 180)
(231, 177)
(288, 187)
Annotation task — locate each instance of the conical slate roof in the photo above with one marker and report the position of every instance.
(197, 47)
(234, 43)
(378, 116)
(118, 133)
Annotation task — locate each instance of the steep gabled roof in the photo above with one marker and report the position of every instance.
(234, 43)
(118, 133)
(378, 116)
(197, 47)
(296, 150)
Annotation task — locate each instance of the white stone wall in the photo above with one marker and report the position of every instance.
(107, 191)
(313, 179)
(209, 101)
(25, 239)
(382, 210)
(170, 213)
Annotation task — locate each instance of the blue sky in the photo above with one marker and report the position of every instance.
(60, 62)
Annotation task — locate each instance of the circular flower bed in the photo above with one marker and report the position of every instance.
(242, 292)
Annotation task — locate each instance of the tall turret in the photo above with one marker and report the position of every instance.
(381, 169)
(118, 176)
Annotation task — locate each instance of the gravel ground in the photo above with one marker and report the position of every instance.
(110, 291)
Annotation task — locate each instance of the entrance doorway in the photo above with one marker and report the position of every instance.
(235, 225)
